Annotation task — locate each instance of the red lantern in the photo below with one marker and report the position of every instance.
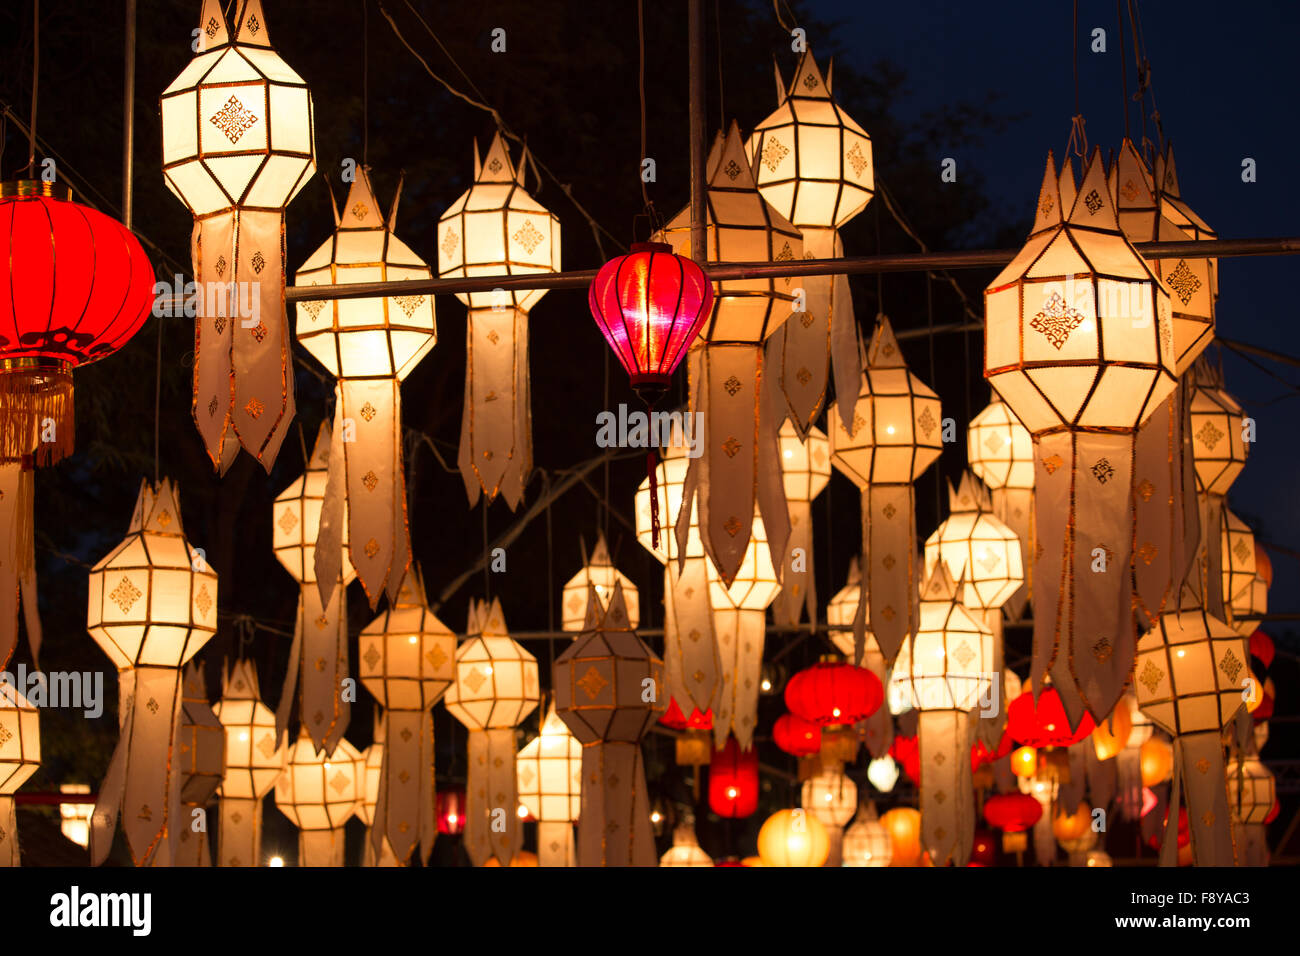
(796, 736)
(650, 305)
(1261, 645)
(76, 285)
(1044, 725)
(451, 811)
(980, 755)
(1012, 812)
(733, 781)
(906, 752)
(674, 718)
(834, 693)
(982, 852)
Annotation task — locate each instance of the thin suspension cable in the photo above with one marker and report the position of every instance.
(1142, 80)
(157, 401)
(1146, 66)
(880, 276)
(365, 82)
(1123, 68)
(36, 70)
(487, 557)
(934, 378)
(640, 46)
(717, 30)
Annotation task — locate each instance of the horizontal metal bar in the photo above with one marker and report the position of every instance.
(725, 271)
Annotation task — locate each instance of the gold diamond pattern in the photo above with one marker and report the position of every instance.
(1057, 320)
(202, 600)
(856, 159)
(528, 236)
(592, 682)
(288, 521)
(370, 480)
(233, 120)
(1230, 665)
(1183, 281)
(125, 594)
(372, 548)
(773, 153)
(372, 657)
(475, 679)
(254, 408)
(1209, 435)
(1151, 676)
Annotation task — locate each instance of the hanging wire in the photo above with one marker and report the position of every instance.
(36, 69)
(487, 555)
(1123, 67)
(365, 82)
(1139, 94)
(1139, 36)
(645, 192)
(934, 378)
(776, 8)
(717, 30)
(1078, 141)
(157, 401)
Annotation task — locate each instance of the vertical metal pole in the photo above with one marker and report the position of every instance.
(695, 50)
(128, 116)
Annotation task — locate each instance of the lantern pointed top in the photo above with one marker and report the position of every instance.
(552, 725)
(410, 592)
(486, 619)
(1134, 188)
(1094, 206)
(1169, 179)
(970, 495)
(162, 511)
(808, 81)
(240, 681)
(213, 30)
(599, 556)
(1048, 214)
(1066, 185)
(194, 683)
(251, 25)
(497, 166)
(729, 167)
(361, 208)
(1205, 374)
(940, 585)
(884, 351)
(615, 616)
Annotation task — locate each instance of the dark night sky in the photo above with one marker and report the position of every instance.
(1217, 76)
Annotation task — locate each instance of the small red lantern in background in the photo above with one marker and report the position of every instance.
(982, 850)
(796, 736)
(906, 752)
(650, 305)
(674, 718)
(1044, 724)
(1012, 812)
(451, 811)
(75, 286)
(1261, 645)
(733, 780)
(834, 693)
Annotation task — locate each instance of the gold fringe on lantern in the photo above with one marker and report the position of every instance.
(36, 410)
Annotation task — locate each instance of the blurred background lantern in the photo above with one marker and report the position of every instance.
(495, 689)
(894, 435)
(1111, 735)
(254, 760)
(692, 667)
(866, 841)
(1238, 569)
(740, 628)
(1157, 761)
(832, 798)
(370, 345)
(882, 772)
(726, 367)
(309, 536)
(20, 757)
(79, 286)
(983, 852)
(694, 746)
(599, 574)
(1098, 858)
(877, 728)
(1252, 794)
(814, 165)
(805, 472)
(373, 759)
(831, 693)
(1075, 833)
(451, 812)
(408, 661)
(685, 850)
(945, 668)
(903, 824)
(601, 682)
(320, 792)
(497, 228)
(202, 765)
(1001, 454)
(984, 555)
(549, 771)
(1189, 678)
(1013, 814)
(1024, 761)
(793, 838)
(796, 736)
(1042, 722)
(1076, 284)
(733, 780)
(74, 818)
(237, 146)
(152, 605)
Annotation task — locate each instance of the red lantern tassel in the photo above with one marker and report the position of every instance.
(652, 469)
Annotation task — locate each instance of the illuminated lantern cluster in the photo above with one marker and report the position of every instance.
(497, 228)
(1079, 344)
(549, 771)
(319, 792)
(238, 145)
(866, 841)
(740, 428)
(832, 798)
(598, 574)
(408, 662)
(601, 681)
(895, 434)
(1001, 454)
(153, 605)
(254, 759)
(1252, 798)
(805, 471)
(813, 163)
(370, 345)
(878, 729)
(310, 538)
(793, 838)
(495, 688)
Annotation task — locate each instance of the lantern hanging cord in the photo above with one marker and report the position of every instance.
(157, 402)
(1078, 140)
(596, 228)
(640, 46)
(1123, 67)
(365, 82)
(36, 69)
(776, 8)
(717, 30)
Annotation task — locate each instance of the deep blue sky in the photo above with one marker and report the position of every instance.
(1223, 76)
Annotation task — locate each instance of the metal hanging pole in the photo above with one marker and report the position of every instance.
(128, 117)
(695, 50)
